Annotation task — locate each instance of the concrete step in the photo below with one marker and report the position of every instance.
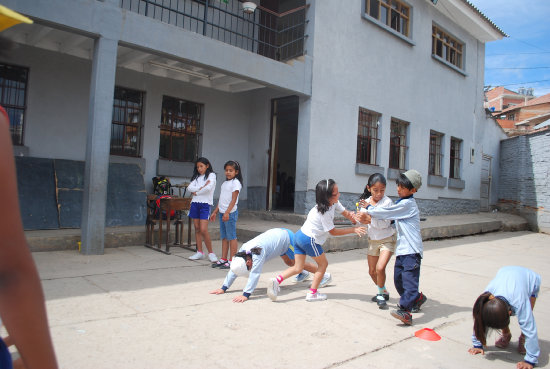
(252, 223)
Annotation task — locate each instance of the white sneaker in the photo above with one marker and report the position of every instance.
(273, 289)
(315, 296)
(213, 258)
(197, 256)
(302, 276)
(327, 278)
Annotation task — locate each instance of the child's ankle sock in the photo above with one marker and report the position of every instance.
(382, 290)
(280, 279)
(313, 290)
(223, 260)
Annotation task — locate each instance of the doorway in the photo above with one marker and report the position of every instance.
(282, 153)
(486, 177)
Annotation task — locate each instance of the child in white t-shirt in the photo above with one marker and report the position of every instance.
(381, 236)
(227, 207)
(313, 234)
(202, 186)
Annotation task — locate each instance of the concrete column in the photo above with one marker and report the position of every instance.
(98, 146)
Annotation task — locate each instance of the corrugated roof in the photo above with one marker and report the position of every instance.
(484, 17)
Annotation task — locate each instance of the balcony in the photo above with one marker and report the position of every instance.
(278, 36)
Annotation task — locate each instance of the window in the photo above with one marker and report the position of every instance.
(446, 47)
(392, 13)
(367, 137)
(435, 155)
(454, 171)
(398, 144)
(127, 122)
(179, 129)
(511, 116)
(13, 97)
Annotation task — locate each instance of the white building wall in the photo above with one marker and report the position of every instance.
(359, 64)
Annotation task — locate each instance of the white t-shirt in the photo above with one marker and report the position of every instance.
(226, 195)
(378, 229)
(206, 195)
(318, 225)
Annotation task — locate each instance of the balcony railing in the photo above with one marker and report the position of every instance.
(279, 36)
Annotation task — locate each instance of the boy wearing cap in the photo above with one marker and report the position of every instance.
(409, 243)
(252, 255)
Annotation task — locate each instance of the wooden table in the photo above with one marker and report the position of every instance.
(178, 204)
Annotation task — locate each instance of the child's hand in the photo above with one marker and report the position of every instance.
(225, 217)
(363, 203)
(240, 298)
(219, 291)
(360, 231)
(213, 216)
(524, 365)
(363, 217)
(475, 351)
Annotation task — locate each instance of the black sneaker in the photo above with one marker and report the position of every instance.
(418, 303)
(386, 297)
(225, 265)
(402, 315)
(381, 302)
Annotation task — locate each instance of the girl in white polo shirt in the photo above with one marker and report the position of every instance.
(202, 186)
(227, 207)
(313, 234)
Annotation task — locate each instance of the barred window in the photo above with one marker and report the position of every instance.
(398, 144)
(447, 47)
(393, 13)
(454, 171)
(367, 137)
(13, 97)
(179, 129)
(127, 122)
(436, 153)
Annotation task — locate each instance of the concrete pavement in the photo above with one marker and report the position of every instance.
(136, 308)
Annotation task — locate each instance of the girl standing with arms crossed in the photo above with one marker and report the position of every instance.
(227, 207)
(381, 236)
(313, 234)
(202, 186)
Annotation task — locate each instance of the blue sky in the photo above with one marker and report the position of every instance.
(526, 51)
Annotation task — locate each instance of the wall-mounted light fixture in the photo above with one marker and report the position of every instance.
(249, 7)
(180, 70)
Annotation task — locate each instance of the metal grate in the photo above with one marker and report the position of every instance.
(279, 36)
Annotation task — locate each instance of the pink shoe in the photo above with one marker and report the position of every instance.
(521, 344)
(503, 341)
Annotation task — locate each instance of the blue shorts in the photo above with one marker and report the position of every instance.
(5, 356)
(306, 245)
(290, 251)
(199, 210)
(228, 230)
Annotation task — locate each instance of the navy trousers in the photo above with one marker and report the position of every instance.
(406, 276)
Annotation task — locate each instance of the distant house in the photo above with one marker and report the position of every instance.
(295, 89)
(525, 117)
(499, 98)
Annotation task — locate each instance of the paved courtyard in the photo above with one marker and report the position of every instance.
(136, 308)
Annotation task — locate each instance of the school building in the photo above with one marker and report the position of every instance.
(103, 95)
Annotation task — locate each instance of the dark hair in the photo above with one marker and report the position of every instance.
(235, 164)
(245, 255)
(403, 181)
(209, 169)
(373, 179)
(489, 312)
(323, 192)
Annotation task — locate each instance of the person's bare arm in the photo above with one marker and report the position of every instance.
(22, 304)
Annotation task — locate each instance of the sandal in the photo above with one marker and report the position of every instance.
(521, 344)
(503, 341)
